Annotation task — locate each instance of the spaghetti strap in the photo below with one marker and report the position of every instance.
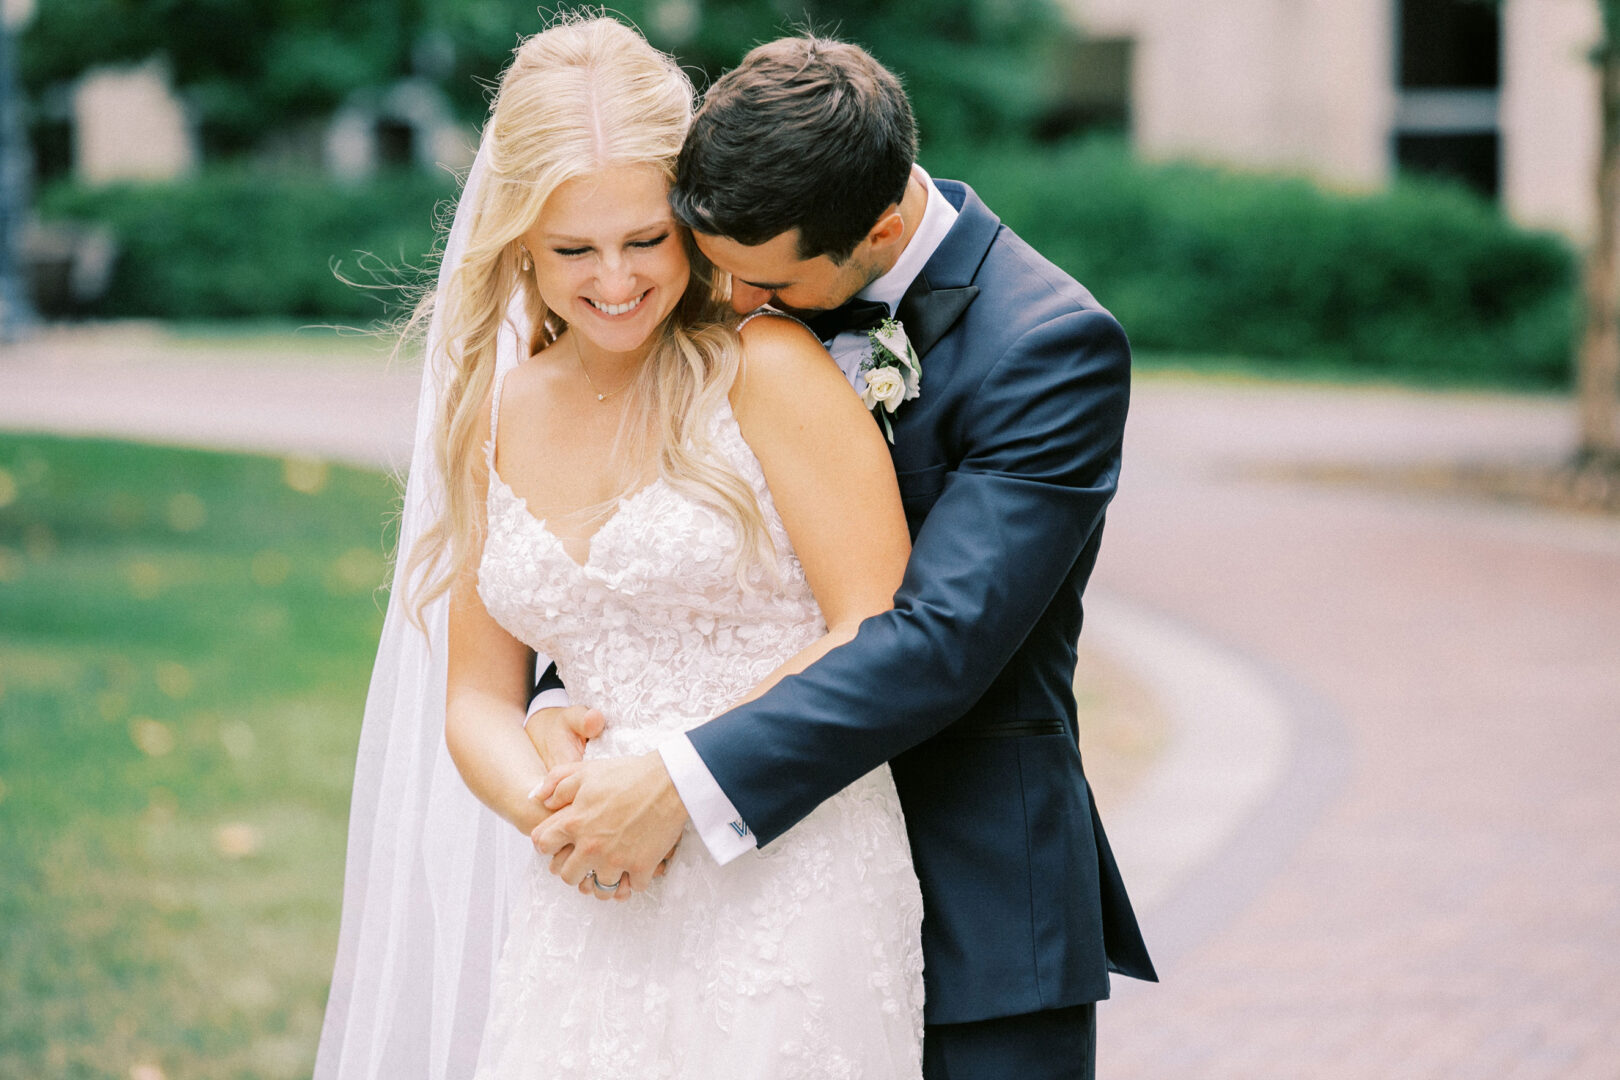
(768, 310)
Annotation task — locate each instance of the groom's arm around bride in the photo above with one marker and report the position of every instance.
(1007, 462)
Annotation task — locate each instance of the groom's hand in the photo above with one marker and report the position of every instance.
(612, 816)
(559, 734)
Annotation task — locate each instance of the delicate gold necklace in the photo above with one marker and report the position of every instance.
(597, 390)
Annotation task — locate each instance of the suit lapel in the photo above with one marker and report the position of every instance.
(927, 313)
(944, 289)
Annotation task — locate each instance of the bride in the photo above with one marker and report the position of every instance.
(679, 512)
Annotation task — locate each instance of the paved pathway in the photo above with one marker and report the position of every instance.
(1385, 841)
(1433, 889)
(338, 399)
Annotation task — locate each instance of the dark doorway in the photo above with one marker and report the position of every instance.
(396, 143)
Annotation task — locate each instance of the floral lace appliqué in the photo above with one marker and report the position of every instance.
(801, 960)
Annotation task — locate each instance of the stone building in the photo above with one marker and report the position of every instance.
(1502, 97)
(129, 125)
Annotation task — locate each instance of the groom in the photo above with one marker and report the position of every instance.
(799, 178)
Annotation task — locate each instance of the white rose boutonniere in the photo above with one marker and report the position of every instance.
(892, 371)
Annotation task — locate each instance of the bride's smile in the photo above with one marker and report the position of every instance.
(615, 310)
(608, 260)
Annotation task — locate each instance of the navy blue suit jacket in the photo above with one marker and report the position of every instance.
(1006, 464)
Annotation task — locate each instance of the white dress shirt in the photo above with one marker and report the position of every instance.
(714, 818)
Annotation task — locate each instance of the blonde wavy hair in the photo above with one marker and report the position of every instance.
(583, 95)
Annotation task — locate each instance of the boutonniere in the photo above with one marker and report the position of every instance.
(892, 371)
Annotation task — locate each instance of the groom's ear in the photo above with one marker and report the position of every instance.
(889, 229)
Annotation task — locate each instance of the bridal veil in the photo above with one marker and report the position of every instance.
(430, 870)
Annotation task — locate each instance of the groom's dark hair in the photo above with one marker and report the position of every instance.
(805, 133)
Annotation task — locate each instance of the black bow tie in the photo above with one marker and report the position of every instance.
(861, 315)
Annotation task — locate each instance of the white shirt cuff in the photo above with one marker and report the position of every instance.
(716, 820)
(555, 698)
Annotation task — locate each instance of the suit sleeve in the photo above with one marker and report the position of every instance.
(1040, 464)
(548, 679)
(549, 691)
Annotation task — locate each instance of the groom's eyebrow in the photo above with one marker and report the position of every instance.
(771, 286)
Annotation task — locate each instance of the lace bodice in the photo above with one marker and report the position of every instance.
(655, 628)
(799, 961)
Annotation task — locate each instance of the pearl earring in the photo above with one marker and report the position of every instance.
(524, 260)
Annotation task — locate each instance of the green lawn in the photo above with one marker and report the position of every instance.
(185, 641)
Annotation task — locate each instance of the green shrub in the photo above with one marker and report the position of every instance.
(1426, 280)
(234, 244)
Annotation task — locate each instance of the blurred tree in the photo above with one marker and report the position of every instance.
(1598, 356)
(975, 67)
(245, 65)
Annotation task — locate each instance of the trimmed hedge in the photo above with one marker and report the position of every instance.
(1425, 281)
(234, 244)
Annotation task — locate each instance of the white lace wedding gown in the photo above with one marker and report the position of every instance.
(801, 960)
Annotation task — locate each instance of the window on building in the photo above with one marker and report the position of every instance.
(1448, 80)
(1470, 159)
(1095, 90)
(1447, 44)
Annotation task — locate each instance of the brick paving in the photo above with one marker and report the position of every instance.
(1452, 906)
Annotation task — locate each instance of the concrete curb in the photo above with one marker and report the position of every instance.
(1253, 760)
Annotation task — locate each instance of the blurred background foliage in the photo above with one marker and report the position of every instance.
(249, 67)
(1425, 281)
(237, 243)
(1422, 281)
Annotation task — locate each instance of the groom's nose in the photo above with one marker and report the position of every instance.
(746, 298)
